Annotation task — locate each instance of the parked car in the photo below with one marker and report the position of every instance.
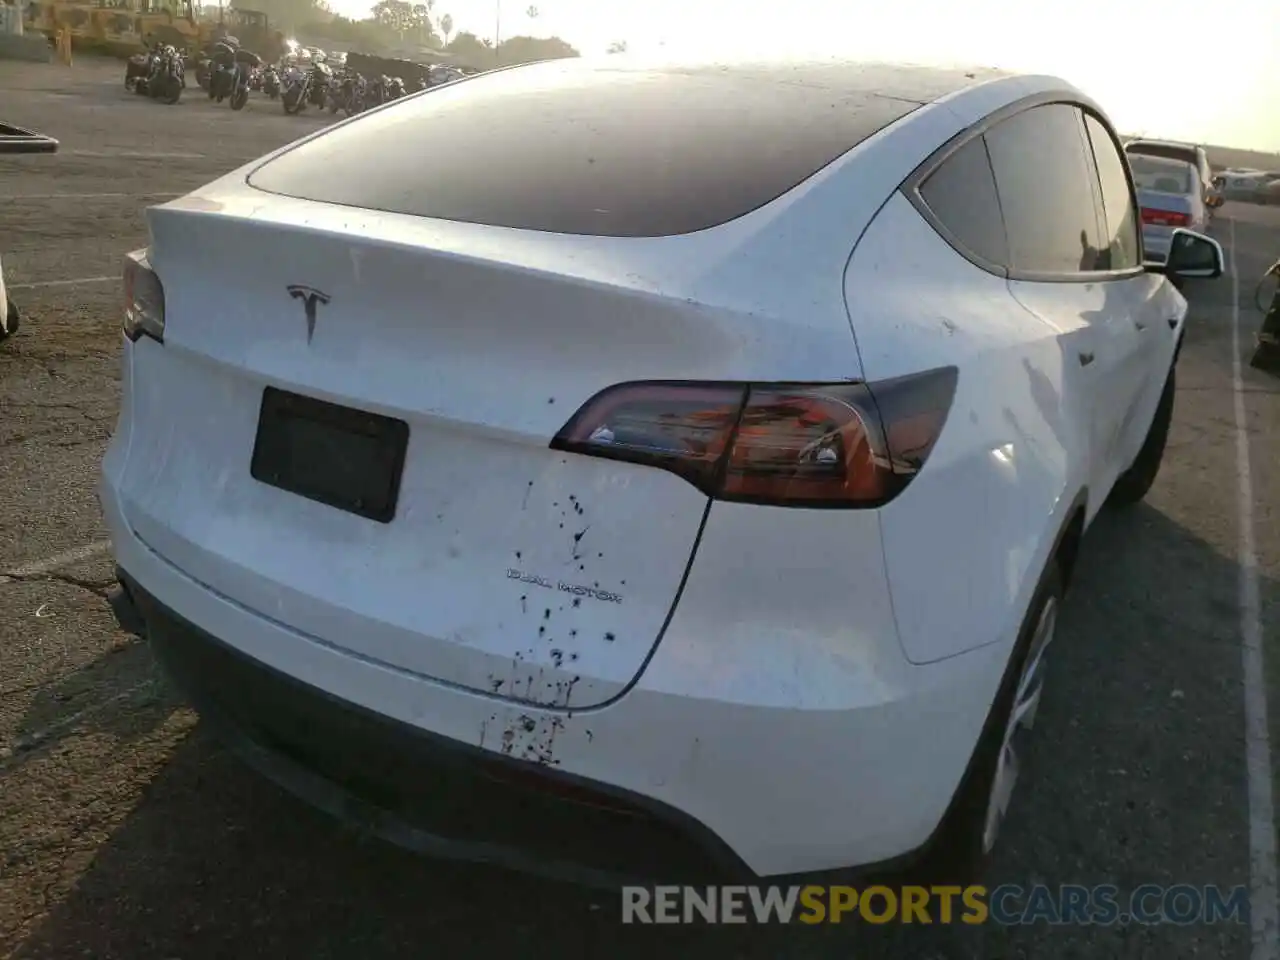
(1170, 197)
(17, 140)
(561, 490)
(1239, 184)
(1269, 193)
(1189, 153)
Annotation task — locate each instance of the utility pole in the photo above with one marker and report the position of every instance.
(497, 31)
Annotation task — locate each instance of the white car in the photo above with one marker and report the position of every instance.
(1190, 153)
(8, 311)
(590, 497)
(1170, 198)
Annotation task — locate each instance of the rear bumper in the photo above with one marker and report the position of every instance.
(416, 789)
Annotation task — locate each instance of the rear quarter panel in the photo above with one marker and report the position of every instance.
(966, 542)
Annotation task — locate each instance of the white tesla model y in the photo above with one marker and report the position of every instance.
(610, 469)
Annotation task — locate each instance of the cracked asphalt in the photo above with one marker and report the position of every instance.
(126, 833)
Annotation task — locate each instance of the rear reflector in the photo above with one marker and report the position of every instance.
(1164, 218)
(807, 445)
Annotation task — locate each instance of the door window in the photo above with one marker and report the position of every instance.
(1046, 186)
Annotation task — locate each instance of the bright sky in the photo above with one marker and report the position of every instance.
(1186, 69)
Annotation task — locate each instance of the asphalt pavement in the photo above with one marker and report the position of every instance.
(126, 833)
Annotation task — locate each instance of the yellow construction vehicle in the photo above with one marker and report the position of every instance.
(116, 26)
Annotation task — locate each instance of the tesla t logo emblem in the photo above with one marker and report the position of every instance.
(310, 298)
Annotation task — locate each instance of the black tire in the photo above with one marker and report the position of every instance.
(1134, 483)
(959, 852)
(174, 92)
(239, 99)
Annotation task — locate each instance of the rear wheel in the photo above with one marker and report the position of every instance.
(974, 821)
(1134, 483)
(239, 99)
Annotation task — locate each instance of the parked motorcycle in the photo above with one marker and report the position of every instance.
(321, 81)
(204, 69)
(231, 81)
(271, 82)
(137, 68)
(297, 89)
(1266, 355)
(375, 92)
(306, 88)
(240, 83)
(354, 91)
(165, 76)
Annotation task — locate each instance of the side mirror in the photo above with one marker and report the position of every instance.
(1194, 256)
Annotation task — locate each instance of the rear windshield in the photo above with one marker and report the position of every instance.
(1166, 176)
(605, 151)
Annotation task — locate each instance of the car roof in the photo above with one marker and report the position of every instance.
(611, 146)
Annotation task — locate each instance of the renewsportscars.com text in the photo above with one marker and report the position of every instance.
(1006, 905)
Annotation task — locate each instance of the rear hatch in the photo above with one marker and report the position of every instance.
(504, 566)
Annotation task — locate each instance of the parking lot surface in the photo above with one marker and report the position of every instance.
(126, 833)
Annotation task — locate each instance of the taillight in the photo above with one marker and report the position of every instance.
(795, 444)
(1165, 218)
(143, 299)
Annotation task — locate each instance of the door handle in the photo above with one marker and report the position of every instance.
(1085, 358)
(1173, 323)
(1139, 324)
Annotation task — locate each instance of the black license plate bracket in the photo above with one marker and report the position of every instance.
(345, 458)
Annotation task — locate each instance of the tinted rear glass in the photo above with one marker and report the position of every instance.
(1167, 176)
(605, 151)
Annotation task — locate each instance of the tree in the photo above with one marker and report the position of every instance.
(394, 15)
(618, 46)
(470, 47)
(529, 49)
(420, 22)
(446, 28)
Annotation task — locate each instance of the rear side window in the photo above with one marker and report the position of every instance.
(1124, 249)
(961, 194)
(1046, 184)
(563, 147)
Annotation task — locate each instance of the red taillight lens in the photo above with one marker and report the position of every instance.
(1164, 218)
(816, 445)
(681, 427)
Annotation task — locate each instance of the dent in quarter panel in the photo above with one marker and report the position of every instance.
(813, 633)
(965, 543)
